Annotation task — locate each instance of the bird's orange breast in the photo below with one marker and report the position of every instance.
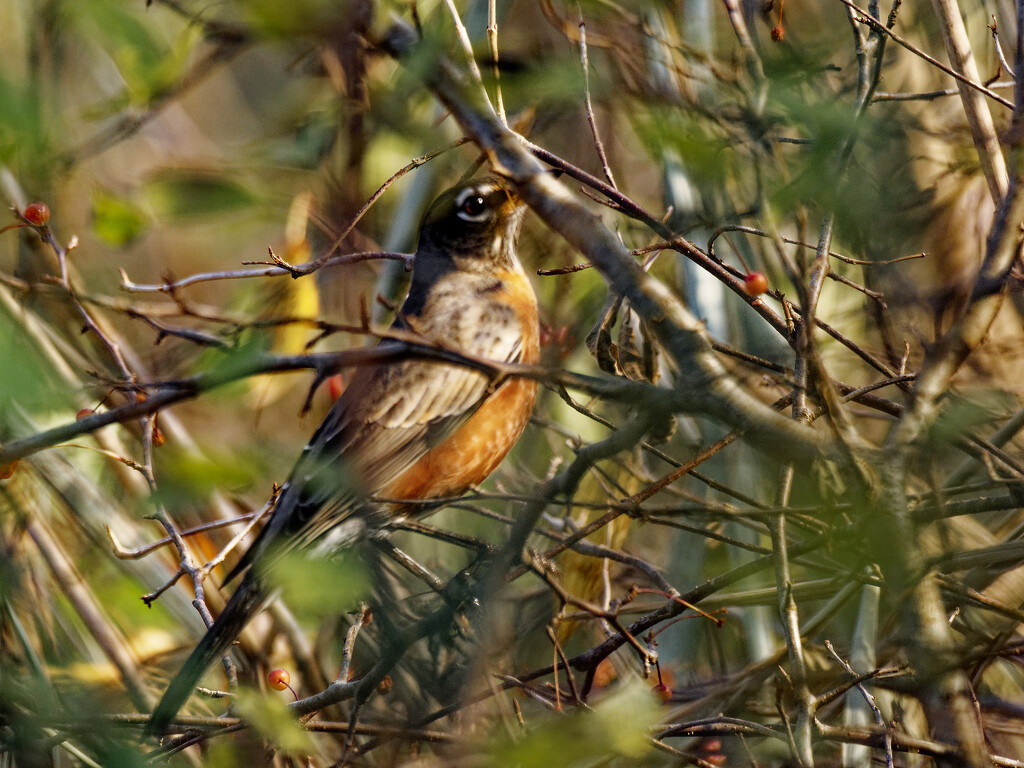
(475, 449)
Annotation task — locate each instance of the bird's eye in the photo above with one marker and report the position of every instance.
(471, 207)
(474, 206)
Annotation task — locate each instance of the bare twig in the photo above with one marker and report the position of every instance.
(865, 18)
(598, 145)
(170, 286)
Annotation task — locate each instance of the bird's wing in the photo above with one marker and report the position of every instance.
(388, 417)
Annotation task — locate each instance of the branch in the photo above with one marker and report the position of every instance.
(674, 326)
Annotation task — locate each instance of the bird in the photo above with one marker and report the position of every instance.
(410, 429)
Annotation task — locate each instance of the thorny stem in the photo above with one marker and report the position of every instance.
(791, 626)
(879, 720)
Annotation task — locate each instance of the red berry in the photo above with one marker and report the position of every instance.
(558, 336)
(84, 414)
(6, 470)
(546, 334)
(663, 692)
(36, 214)
(755, 283)
(278, 679)
(778, 34)
(335, 386)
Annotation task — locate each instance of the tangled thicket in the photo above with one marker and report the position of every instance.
(768, 509)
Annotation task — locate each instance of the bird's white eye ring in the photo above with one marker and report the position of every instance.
(471, 206)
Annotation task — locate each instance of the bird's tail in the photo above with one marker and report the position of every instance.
(244, 603)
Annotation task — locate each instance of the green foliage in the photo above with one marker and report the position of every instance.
(963, 413)
(558, 83)
(272, 720)
(120, 755)
(667, 131)
(318, 587)
(188, 478)
(116, 220)
(221, 754)
(310, 142)
(22, 131)
(230, 366)
(146, 57)
(182, 195)
(26, 377)
(618, 727)
(277, 20)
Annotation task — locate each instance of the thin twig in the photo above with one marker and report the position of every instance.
(598, 145)
(865, 18)
(492, 40)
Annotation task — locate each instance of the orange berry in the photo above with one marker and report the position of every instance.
(778, 34)
(6, 470)
(159, 438)
(663, 692)
(605, 674)
(711, 751)
(84, 414)
(754, 284)
(278, 679)
(36, 214)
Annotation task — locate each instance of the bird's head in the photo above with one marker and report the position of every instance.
(475, 224)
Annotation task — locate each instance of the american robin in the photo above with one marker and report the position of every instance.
(414, 429)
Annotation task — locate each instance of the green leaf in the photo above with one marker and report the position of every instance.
(236, 363)
(708, 152)
(962, 413)
(116, 220)
(559, 81)
(24, 135)
(114, 755)
(197, 194)
(619, 726)
(269, 716)
(26, 377)
(317, 587)
(622, 721)
(297, 17)
(188, 478)
(142, 51)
